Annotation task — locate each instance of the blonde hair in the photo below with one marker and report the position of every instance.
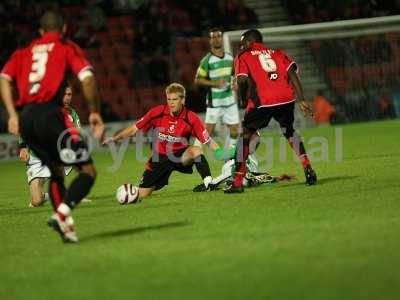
(176, 88)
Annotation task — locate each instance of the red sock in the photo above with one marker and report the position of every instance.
(298, 148)
(305, 161)
(241, 164)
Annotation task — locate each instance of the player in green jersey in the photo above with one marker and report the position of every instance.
(215, 72)
(38, 173)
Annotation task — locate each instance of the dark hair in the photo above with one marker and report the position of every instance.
(52, 20)
(214, 29)
(253, 35)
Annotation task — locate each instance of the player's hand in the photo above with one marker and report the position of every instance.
(13, 125)
(24, 154)
(306, 108)
(220, 83)
(96, 125)
(107, 141)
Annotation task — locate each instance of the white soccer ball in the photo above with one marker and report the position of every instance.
(127, 194)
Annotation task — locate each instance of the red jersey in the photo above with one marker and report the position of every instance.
(268, 71)
(173, 132)
(40, 68)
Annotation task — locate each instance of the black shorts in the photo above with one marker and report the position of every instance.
(48, 131)
(158, 172)
(260, 117)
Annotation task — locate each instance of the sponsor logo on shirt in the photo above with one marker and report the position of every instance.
(169, 138)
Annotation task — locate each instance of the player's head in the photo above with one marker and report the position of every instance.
(52, 20)
(175, 97)
(249, 37)
(67, 96)
(215, 37)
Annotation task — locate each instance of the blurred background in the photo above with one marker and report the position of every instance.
(138, 46)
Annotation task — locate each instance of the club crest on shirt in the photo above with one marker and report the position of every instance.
(171, 128)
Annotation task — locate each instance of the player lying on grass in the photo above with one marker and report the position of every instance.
(252, 178)
(173, 125)
(36, 171)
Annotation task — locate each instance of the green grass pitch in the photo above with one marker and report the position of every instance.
(339, 239)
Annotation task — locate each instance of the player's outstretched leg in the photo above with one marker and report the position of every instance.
(194, 155)
(297, 145)
(61, 221)
(242, 152)
(65, 200)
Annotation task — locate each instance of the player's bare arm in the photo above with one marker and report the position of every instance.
(243, 85)
(210, 83)
(125, 133)
(294, 79)
(6, 95)
(90, 91)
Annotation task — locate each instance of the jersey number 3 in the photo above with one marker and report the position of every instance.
(269, 65)
(39, 61)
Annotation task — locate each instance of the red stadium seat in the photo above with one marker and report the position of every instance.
(145, 95)
(354, 75)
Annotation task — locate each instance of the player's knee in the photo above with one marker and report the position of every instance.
(247, 133)
(195, 151)
(234, 131)
(37, 200)
(90, 170)
(288, 132)
(144, 192)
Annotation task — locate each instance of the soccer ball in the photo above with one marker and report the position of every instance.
(127, 194)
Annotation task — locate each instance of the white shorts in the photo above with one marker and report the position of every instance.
(229, 115)
(36, 169)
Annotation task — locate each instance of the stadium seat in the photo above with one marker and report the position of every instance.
(145, 95)
(372, 73)
(354, 75)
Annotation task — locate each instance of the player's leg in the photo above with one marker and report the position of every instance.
(37, 173)
(81, 185)
(242, 154)
(284, 114)
(194, 155)
(253, 120)
(211, 119)
(36, 187)
(231, 119)
(145, 192)
(252, 160)
(155, 176)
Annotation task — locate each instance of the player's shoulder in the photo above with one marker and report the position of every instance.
(72, 46)
(192, 116)
(279, 52)
(228, 55)
(158, 110)
(242, 53)
(206, 58)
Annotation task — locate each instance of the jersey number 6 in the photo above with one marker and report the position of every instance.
(269, 65)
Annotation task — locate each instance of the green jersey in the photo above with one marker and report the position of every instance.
(213, 68)
(74, 118)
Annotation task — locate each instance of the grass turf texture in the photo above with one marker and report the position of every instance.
(339, 239)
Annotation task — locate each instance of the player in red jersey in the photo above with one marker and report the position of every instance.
(269, 77)
(40, 72)
(173, 125)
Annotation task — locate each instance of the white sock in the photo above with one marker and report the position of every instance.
(46, 196)
(64, 209)
(207, 180)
